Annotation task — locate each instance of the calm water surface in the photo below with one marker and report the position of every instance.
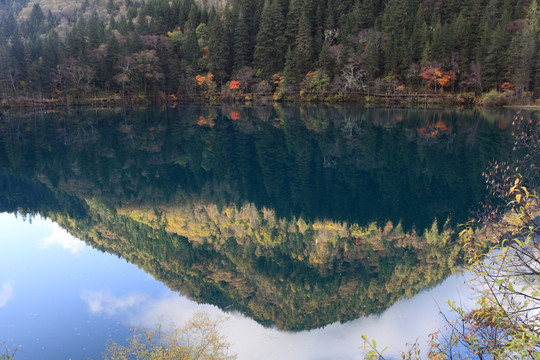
(61, 299)
(293, 219)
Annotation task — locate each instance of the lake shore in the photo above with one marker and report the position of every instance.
(426, 100)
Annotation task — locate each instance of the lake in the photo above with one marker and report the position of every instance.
(306, 225)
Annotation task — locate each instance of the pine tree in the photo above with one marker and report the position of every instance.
(417, 41)
(269, 51)
(495, 70)
(94, 30)
(524, 45)
(304, 45)
(193, 18)
(36, 19)
(219, 51)
(293, 18)
(191, 51)
(16, 49)
(242, 54)
(367, 14)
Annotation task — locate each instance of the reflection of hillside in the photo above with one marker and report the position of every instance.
(295, 216)
(345, 164)
(301, 281)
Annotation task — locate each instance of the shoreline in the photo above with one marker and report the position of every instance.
(424, 100)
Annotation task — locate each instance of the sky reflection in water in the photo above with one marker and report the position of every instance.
(60, 299)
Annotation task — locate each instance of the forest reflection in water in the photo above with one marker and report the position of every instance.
(294, 216)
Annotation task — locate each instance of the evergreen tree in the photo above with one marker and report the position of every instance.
(269, 51)
(525, 46)
(293, 17)
(417, 40)
(75, 41)
(193, 18)
(16, 49)
(94, 30)
(304, 45)
(495, 70)
(191, 51)
(242, 45)
(36, 19)
(219, 51)
(367, 14)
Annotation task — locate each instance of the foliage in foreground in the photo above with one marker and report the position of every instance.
(505, 323)
(199, 339)
(504, 258)
(6, 354)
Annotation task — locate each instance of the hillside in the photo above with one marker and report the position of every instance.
(162, 51)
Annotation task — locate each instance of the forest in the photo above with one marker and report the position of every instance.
(158, 51)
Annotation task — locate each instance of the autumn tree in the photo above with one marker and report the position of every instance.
(198, 339)
(437, 78)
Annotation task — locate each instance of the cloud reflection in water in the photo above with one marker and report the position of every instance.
(6, 293)
(104, 302)
(63, 239)
(402, 323)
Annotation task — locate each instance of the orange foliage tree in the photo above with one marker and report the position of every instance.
(506, 86)
(206, 83)
(234, 85)
(436, 77)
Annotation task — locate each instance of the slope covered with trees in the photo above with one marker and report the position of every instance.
(158, 50)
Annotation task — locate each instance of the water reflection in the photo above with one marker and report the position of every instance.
(102, 297)
(6, 292)
(295, 216)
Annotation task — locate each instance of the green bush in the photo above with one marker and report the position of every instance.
(494, 99)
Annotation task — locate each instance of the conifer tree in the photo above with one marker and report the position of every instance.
(304, 44)
(524, 49)
(293, 18)
(269, 51)
(219, 51)
(496, 59)
(242, 54)
(191, 51)
(367, 14)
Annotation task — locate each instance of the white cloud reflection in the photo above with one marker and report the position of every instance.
(103, 302)
(402, 323)
(63, 239)
(6, 293)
